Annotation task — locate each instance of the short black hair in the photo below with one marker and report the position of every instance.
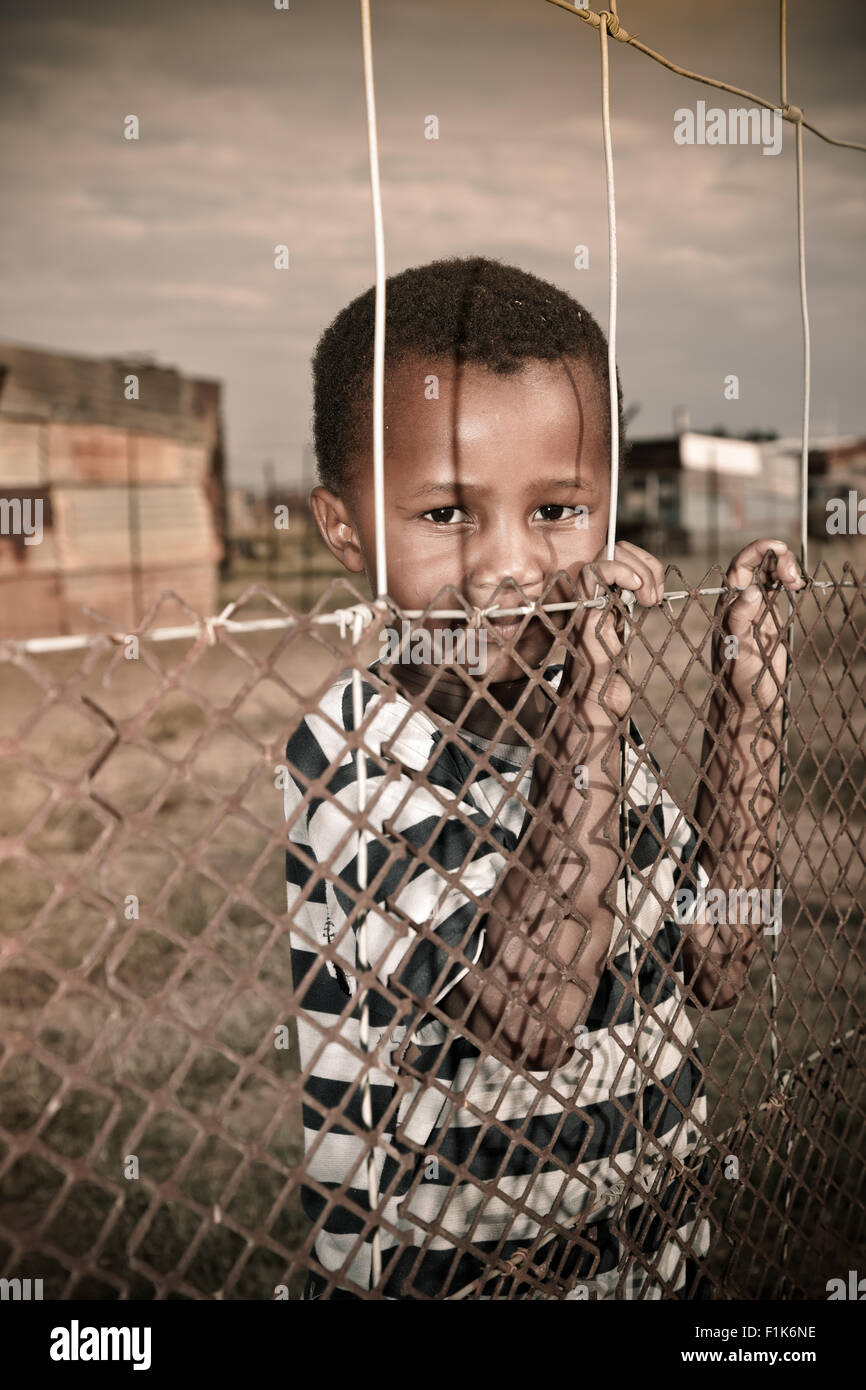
(470, 309)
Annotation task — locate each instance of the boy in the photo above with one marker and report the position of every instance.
(533, 1076)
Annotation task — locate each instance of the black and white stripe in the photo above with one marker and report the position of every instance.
(439, 827)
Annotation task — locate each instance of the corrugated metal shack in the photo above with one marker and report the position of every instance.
(131, 491)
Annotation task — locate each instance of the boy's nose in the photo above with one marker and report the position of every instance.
(507, 562)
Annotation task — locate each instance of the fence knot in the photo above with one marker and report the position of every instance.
(517, 1259)
(778, 1101)
(791, 112)
(355, 619)
(614, 28)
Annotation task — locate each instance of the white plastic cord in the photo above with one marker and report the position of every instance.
(379, 333)
(611, 327)
(804, 541)
(807, 356)
(783, 53)
(381, 591)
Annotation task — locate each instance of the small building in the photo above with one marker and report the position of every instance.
(837, 466)
(122, 462)
(692, 493)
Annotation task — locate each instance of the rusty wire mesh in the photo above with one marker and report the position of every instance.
(152, 1101)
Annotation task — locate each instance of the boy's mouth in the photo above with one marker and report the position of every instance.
(506, 628)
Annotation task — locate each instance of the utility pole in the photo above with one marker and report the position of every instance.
(271, 536)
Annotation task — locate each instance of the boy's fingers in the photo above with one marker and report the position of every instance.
(745, 563)
(649, 590)
(609, 572)
(788, 571)
(743, 613)
(627, 574)
(650, 563)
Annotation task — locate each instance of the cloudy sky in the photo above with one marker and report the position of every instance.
(253, 133)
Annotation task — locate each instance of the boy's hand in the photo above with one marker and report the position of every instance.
(597, 634)
(750, 618)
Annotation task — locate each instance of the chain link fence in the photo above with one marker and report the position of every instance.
(152, 1098)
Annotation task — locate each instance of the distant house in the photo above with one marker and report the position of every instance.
(131, 491)
(692, 493)
(836, 465)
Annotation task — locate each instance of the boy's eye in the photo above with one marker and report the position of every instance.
(443, 516)
(555, 511)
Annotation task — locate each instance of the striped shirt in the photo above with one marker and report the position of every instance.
(536, 1162)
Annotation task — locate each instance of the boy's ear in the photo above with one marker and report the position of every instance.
(337, 529)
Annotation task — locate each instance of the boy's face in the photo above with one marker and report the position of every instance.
(502, 481)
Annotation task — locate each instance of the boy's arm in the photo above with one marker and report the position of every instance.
(548, 926)
(538, 946)
(741, 767)
(734, 809)
(537, 949)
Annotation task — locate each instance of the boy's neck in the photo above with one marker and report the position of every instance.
(449, 693)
